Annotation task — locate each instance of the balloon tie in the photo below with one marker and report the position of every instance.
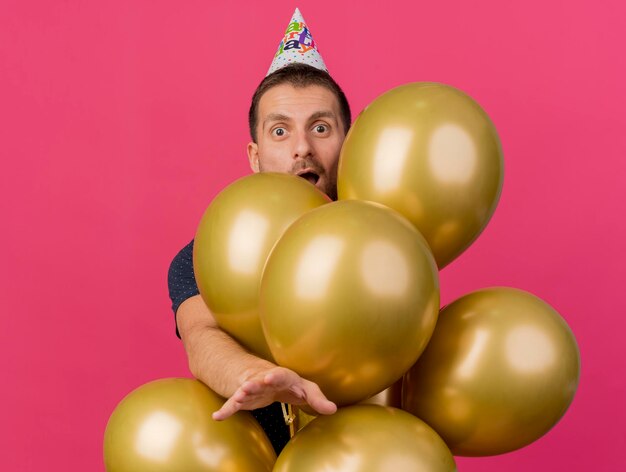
(289, 416)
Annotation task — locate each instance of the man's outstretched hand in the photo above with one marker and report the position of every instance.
(275, 384)
(221, 363)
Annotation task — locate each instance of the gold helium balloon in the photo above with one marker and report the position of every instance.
(166, 426)
(349, 298)
(430, 152)
(233, 240)
(391, 396)
(500, 370)
(366, 438)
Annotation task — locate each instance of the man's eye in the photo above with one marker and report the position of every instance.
(321, 128)
(279, 132)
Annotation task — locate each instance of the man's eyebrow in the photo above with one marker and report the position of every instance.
(322, 114)
(275, 117)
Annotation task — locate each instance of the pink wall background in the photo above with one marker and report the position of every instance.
(119, 121)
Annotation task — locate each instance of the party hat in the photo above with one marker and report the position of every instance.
(297, 46)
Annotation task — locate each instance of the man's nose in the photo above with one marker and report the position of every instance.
(302, 146)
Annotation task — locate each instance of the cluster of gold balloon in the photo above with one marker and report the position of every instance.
(347, 295)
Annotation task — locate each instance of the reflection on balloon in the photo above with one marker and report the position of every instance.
(349, 298)
(452, 155)
(366, 437)
(430, 152)
(501, 369)
(233, 241)
(166, 425)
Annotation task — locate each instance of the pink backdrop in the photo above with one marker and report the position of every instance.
(119, 121)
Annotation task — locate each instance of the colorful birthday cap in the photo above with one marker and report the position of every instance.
(297, 46)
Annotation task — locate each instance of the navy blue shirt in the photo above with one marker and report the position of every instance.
(182, 285)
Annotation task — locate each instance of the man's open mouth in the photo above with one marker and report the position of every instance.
(310, 176)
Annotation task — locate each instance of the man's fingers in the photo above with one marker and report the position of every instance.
(252, 387)
(229, 408)
(244, 398)
(302, 389)
(323, 406)
(279, 379)
(317, 400)
(278, 384)
(286, 386)
(298, 391)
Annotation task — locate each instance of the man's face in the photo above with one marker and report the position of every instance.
(299, 132)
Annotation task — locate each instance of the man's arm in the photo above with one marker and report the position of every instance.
(248, 382)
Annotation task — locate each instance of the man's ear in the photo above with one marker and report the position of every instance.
(253, 156)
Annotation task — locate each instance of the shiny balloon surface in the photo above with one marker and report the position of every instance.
(501, 369)
(233, 241)
(166, 426)
(349, 298)
(430, 152)
(368, 438)
(391, 396)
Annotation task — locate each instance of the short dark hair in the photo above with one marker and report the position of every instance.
(298, 75)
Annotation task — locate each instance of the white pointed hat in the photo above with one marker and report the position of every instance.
(297, 45)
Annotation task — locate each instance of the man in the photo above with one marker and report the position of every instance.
(298, 120)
